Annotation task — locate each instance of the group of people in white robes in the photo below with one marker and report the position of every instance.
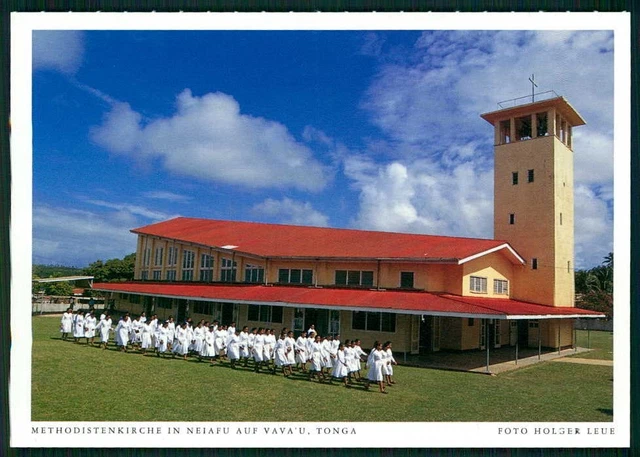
(327, 358)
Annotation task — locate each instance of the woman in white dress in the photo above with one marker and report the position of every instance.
(290, 349)
(162, 338)
(301, 352)
(376, 363)
(360, 354)
(340, 367)
(208, 349)
(182, 345)
(390, 362)
(145, 337)
(134, 332)
(122, 332)
(244, 344)
(315, 357)
(327, 362)
(66, 323)
(233, 349)
(198, 337)
(258, 350)
(104, 327)
(78, 326)
(90, 327)
(350, 359)
(171, 333)
(220, 335)
(280, 356)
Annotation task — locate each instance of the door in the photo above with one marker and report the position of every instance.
(523, 333)
(334, 322)
(319, 318)
(228, 314)
(182, 310)
(483, 334)
(497, 333)
(298, 321)
(513, 332)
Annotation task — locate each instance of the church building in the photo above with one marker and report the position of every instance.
(425, 293)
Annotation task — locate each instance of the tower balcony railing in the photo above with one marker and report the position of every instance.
(527, 99)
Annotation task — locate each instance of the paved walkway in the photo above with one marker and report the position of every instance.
(605, 363)
(500, 360)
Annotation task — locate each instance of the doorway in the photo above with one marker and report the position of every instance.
(319, 318)
(429, 334)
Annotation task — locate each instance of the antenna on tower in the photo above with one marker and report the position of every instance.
(533, 86)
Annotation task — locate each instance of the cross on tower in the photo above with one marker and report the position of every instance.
(533, 86)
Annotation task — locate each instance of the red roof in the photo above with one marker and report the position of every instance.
(353, 299)
(291, 241)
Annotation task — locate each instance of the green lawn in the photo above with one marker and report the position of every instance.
(601, 344)
(72, 382)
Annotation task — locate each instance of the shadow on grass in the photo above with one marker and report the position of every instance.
(607, 411)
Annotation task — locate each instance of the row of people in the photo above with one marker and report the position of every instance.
(328, 357)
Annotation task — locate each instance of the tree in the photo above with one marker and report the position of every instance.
(62, 288)
(594, 287)
(112, 270)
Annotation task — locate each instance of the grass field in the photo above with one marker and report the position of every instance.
(72, 382)
(601, 344)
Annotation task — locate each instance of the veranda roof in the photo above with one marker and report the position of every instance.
(393, 301)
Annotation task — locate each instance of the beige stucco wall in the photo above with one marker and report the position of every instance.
(492, 266)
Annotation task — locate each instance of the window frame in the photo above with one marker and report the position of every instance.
(478, 284)
(500, 287)
(368, 319)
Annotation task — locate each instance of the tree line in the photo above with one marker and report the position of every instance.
(112, 270)
(594, 287)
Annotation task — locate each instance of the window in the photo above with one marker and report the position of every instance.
(124, 296)
(514, 178)
(534, 264)
(164, 302)
(505, 131)
(206, 267)
(171, 275)
(533, 324)
(406, 279)
(470, 322)
(295, 276)
(512, 219)
(157, 275)
(478, 284)
(228, 270)
(135, 299)
(158, 257)
(265, 313)
(523, 128)
(188, 262)
(568, 266)
(254, 273)
(373, 322)
(500, 287)
(145, 256)
(172, 256)
(530, 176)
(542, 124)
(354, 278)
(560, 218)
(203, 307)
(145, 275)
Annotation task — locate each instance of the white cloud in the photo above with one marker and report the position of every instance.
(59, 50)
(164, 195)
(421, 197)
(134, 210)
(594, 239)
(77, 238)
(427, 106)
(288, 211)
(210, 139)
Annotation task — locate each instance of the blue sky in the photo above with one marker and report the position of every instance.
(371, 129)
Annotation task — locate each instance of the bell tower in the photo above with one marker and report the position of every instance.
(533, 195)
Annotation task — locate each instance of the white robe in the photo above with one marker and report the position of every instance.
(182, 345)
(78, 327)
(66, 323)
(289, 345)
(208, 345)
(220, 338)
(233, 348)
(104, 327)
(326, 354)
(244, 344)
(145, 336)
(122, 332)
(162, 338)
(89, 327)
(279, 351)
(340, 367)
(198, 337)
(375, 362)
(301, 350)
(134, 331)
(389, 361)
(258, 348)
(315, 352)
